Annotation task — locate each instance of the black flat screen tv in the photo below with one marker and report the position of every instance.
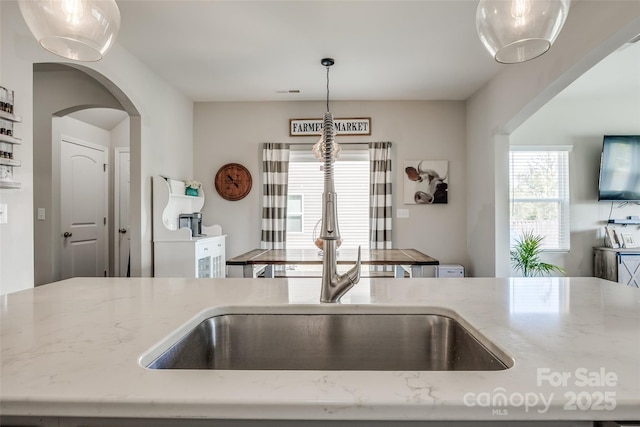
(620, 168)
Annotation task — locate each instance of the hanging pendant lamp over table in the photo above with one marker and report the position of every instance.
(516, 31)
(81, 30)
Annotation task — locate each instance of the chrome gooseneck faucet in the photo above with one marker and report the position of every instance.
(334, 285)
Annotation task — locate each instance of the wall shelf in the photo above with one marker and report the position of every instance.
(10, 184)
(10, 117)
(184, 196)
(624, 221)
(10, 162)
(10, 139)
(7, 143)
(169, 201)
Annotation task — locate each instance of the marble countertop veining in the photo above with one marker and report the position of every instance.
(73, 348)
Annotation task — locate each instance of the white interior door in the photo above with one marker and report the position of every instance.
(122, 228)
(83, 213)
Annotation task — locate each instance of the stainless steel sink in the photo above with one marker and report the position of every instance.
(363, 342)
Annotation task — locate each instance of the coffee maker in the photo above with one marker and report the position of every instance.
(192, 221)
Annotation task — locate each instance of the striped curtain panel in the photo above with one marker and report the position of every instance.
(275, 176)
(381, 196)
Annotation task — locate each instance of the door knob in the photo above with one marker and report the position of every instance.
(67, 234)
(122, 230)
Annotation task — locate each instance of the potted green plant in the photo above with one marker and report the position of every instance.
(525, 256)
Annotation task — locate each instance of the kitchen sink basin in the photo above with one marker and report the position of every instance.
(343, 341)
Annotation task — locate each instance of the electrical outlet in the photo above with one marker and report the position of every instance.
(402, 213)
(3, 213)
(41, 214)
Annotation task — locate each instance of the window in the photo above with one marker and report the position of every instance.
(306, 184)
(539, 194)
(294, 213)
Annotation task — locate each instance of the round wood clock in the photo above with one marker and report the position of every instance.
(233, 181)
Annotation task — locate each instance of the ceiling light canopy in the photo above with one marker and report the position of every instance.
(519, 30)
(81, 30)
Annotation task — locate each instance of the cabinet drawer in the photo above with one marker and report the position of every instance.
(204, 249)
(211, 248)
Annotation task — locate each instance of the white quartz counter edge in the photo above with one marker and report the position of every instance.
(73, 349)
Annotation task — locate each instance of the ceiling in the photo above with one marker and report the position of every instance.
(615, 78)
(215, 50)
(105, 118)
(259, 50)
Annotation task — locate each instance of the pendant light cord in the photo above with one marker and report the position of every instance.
(327, 88)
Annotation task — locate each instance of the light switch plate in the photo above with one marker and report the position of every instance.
(402, 213)
(41, 214)
(3, 213)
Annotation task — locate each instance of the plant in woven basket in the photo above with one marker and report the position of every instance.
(525, 256)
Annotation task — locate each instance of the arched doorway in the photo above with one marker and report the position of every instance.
(68, 93)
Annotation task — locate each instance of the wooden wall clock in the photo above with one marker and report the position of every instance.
(233, 181)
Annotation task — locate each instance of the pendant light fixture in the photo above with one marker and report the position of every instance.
(328, 126)
(81, 30)
(516, 31)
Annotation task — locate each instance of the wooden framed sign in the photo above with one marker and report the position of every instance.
(313, 127)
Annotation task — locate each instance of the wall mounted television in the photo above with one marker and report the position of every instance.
(620, 168)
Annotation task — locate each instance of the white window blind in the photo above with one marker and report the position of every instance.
(351, 180)
(539, 194)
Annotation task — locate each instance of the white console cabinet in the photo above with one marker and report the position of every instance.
(618, 265)
(176, 252)
(201, 257)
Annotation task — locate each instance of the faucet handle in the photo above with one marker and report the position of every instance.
(334, 285)
(354, 273)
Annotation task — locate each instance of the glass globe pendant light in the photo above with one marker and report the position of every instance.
(519, 30)
(81, 30)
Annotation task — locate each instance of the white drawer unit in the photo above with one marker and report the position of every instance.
(210, 259)
(449, 270)
(200, 258)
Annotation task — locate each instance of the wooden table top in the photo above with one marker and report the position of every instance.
(345, 256)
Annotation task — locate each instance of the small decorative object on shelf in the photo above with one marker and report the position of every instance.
(192, 188)
(628, 240)
(6, 100)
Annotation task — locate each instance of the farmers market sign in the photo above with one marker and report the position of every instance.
(311, 127)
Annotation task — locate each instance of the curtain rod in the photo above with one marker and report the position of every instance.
(310, 144)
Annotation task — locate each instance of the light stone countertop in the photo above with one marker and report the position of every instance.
(73, 348)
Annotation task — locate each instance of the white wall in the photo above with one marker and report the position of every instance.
(120, 134)
(161, 137)
(16, 237)
(233, 132)
(592, 31)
